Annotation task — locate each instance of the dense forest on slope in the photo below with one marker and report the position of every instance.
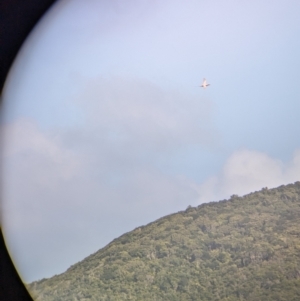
(244, 248)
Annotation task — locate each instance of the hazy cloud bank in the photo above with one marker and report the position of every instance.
(63, 195)
(140, 111)
(246, 171)
(71, 195)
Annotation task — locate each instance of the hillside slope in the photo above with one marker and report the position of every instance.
(244, 248)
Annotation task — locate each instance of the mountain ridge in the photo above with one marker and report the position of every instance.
(244, 248)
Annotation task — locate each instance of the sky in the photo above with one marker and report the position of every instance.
(105, 127)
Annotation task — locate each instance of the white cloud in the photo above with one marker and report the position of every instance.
(246, 171)
(292, 171)
(39, 154)
(36, 168)
(69, 196)
(140, 112)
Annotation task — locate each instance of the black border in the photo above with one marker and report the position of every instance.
(17, 19)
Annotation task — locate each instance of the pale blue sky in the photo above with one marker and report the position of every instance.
(107, 130)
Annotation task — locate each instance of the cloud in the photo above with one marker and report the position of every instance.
(246, 171)
(70, 193)
(140, 112)
(34, 166)
(30, 147)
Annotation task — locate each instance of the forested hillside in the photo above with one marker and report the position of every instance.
(244, 248)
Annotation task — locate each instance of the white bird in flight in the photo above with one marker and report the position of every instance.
(204, 83)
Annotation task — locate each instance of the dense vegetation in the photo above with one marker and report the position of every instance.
(244, 248)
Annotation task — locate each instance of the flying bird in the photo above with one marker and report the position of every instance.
(204, 83)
